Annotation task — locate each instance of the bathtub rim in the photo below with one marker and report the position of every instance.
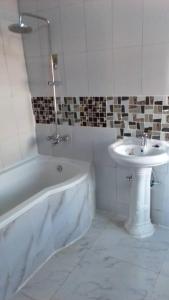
(23, 207)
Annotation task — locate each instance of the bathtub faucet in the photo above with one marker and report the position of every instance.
(58, 139)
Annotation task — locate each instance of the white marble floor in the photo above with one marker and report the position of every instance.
(107, 264)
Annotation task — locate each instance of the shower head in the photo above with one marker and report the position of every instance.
(20, 28)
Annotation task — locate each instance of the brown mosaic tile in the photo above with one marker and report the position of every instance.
(142, 100)
(148, 117)
(157, 109)
(166, 136)
(118, 124)
(155, 136)
(167, 118)
(132, 100)
(129, 115)
(140, 126)
(138, 118)
(134, 109)
(165, 127)
(165, 109)
(149, 109)
(156, 126)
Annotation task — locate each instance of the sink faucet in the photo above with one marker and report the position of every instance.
(143, 143)
(58, 139)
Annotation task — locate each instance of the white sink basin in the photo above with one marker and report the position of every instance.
(129, 153)
(140, 160)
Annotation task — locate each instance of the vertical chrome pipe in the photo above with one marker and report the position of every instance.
(53, 74)
(50, 55)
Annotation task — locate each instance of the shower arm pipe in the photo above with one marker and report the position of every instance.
(51, 57)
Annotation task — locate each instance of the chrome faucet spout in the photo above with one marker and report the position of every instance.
(144, 139)
(143, 143)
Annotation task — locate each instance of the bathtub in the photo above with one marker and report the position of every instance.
(46, 204)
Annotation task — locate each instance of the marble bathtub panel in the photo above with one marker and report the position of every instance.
(59, 219)
(21, 296)
(42, 233)
(70, 215)
(4, 270)
(92, 191)
(66, 216)
(18, 242)
(29, 240)
(87, 214)
(83, 218)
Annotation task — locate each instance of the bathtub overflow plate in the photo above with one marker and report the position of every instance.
(59, 168)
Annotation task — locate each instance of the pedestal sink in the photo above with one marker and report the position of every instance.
(140, 159)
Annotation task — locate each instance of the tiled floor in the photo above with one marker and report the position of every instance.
(107, 264)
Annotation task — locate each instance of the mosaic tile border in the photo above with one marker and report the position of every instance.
(43, 109)
(128, 115)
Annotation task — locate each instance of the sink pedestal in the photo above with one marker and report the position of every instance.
(139, 223)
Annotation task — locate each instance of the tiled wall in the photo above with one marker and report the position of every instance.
(130, 116)
(17, 133)
(105, 47)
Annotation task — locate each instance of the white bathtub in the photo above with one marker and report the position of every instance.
(41, 211)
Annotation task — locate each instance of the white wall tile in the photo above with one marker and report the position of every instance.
(98, 24)
(102, 138)
(43, 4)
(82, 143)
(77, 26)
(61, 80)
(31, 41)
(15, 106)
(156, 21)
(156, 69)
(157, 202)
(127, 71)
(5, 87)
(39, 74)
(27, 6)
(20, 69)
(28, 145)
(127, 22)
(157, 217)
(70, 2)
(55, 30)
(76, 74)
(100, 73)
(1, 40)
(10, 151)
(9, 8)
(123, 185)
(12, 42)
(164, 218)
(22, 113)
(73, 29)
(42, 133)
(44, 38)
(8, 125)
(106, 188)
